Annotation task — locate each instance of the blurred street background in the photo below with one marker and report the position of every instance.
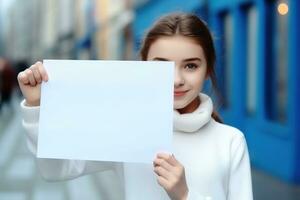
(257, 43)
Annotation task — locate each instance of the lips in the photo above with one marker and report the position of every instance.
(179, 93)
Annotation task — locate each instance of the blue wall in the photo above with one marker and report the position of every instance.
(273, 145)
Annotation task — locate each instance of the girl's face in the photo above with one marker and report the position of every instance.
(190, 68)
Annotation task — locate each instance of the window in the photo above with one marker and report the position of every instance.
(251, 59)
(226, 58)
(276, 60)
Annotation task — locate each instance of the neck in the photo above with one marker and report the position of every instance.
(191, 107)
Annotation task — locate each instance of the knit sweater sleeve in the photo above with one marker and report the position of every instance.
(55, 169)
(195, 195)
(240, 185)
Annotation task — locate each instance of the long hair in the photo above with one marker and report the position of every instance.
(187, 25)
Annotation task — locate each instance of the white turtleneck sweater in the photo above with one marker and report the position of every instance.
(214, 155)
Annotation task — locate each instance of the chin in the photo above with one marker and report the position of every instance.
(179, 105)
(182, 103)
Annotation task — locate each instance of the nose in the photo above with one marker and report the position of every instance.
(178, 78)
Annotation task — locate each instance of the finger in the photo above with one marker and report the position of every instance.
(167, 157)
(36, 74)
(163, 182)
(175, 160)
(162, 163)
(160, 171)
(42, 71)
(30, 77)
(22, 78)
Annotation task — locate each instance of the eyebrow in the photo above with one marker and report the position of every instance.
(185, 60)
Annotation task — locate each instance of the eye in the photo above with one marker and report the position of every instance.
(191, 66)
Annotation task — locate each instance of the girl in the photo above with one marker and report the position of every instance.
(210, 159)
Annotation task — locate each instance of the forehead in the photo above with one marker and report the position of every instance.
(175, 48)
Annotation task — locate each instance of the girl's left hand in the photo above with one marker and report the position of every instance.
(171, 176)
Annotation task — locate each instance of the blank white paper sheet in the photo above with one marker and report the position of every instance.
(106, 110)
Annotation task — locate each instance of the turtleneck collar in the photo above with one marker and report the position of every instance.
(192, 122)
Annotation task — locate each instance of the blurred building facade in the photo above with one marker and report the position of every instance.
(68, 29)
(256, 43)
(258, 71)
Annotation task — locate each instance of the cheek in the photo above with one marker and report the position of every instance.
(197, 82)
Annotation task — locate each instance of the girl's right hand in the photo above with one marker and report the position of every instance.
(30, 83)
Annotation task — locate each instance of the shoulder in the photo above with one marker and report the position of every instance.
(227, 134)
(230, 140)
(226, 130)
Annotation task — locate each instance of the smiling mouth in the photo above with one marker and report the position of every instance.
(179, 94)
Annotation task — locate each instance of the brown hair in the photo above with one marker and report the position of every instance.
(188, 25)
